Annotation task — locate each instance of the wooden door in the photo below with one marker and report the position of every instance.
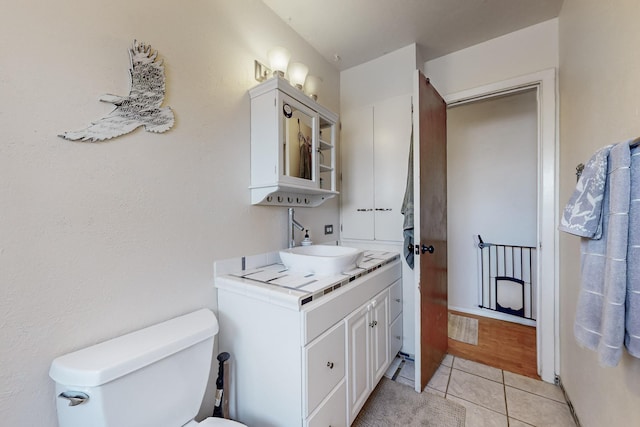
(431, 236)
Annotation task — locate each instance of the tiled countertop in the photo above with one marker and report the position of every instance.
(273, 282)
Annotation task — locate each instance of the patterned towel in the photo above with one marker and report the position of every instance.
(583, 214)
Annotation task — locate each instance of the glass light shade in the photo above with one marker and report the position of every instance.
(297, 74)
(312, 86)
(278, 60)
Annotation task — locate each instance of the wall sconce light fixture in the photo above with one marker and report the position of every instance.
(278, 60)
(297, 74)
(312, 86)
(261, 71)
(297, 71)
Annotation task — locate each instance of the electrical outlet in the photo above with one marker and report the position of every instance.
(328, 229)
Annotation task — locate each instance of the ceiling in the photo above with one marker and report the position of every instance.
(351, 32)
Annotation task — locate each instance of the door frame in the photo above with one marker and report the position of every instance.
(547, 331)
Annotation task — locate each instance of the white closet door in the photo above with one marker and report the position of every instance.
(391, 136)
(356, 192)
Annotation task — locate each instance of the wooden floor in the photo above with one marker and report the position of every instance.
(504, 345)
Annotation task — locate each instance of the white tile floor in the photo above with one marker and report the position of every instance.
(492, 397)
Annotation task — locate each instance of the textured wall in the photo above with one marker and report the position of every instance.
(100, 239)
(599, 93)
(526, 51)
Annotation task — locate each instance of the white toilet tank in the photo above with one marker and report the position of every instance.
(154, 377)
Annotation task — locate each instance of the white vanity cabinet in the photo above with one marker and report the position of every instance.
(292, 364)
(293, 147)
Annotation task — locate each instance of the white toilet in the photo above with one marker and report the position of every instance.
(154, 377)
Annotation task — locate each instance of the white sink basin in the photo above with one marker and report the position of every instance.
(321, 259)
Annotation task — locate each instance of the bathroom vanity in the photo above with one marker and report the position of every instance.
(307, 349)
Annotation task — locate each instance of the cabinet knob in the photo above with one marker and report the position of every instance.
(398, 337)
(398, 300)
(371, 324)
(330, 365)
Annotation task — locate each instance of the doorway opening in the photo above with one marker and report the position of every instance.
(492, 187)
(515, 175)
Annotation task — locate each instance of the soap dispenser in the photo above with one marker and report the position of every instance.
(307, 240)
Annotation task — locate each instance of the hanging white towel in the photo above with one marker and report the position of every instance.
(632, 333)
(600, 315)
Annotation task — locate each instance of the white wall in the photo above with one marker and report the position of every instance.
(599, 93)
(491, 184)
(386, 77)
(379, 80)
(522, 52)
(100, 239)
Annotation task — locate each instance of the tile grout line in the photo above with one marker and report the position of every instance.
(446, 389)
(504, 390)
(482, 406)
(479, 376)
(537, 395)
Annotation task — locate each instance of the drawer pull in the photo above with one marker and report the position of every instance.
(330, 365)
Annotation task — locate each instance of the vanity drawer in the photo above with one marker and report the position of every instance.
(324, 365)
(331, 412)
(395, 300)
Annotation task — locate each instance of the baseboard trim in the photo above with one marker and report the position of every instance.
(558, 381)
(493, 315)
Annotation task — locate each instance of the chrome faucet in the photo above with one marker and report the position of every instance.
(292, 223)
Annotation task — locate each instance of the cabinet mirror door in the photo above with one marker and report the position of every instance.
(299, 140)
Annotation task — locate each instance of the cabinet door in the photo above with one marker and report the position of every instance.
(391, 140)
(379, 328)
(356, 143)
(395, 337)
(358, 359)
(395, 300)
(375, 156)
(298, 142)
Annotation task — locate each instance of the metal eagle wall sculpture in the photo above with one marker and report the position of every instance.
(142, 107)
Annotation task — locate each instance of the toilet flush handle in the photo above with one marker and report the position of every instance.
(75, 398)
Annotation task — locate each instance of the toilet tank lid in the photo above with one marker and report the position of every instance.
(109, 360)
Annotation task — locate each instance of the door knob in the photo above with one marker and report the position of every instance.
(426, 248)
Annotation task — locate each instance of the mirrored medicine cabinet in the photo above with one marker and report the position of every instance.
(293, 147)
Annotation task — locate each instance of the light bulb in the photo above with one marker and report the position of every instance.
(278, 60)
(312, 86)
(297, 74)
